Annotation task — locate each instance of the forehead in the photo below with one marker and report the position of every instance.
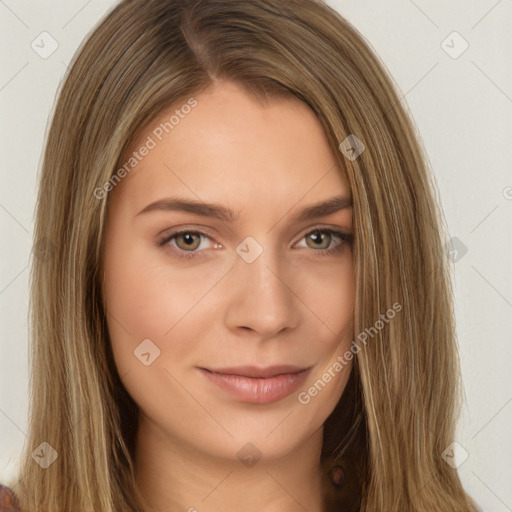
(227, 145)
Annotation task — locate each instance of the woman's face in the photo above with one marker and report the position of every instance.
(229, 333)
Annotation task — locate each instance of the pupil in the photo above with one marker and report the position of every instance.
(189, 240)
(317, 237)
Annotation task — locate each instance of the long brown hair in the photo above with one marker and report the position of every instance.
(400, 406)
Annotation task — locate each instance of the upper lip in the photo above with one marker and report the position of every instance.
(258, 372)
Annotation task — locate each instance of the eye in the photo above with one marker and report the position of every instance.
(322, 240)
(191, 241)
(188, 243)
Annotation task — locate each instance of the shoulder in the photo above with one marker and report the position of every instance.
(8, 501)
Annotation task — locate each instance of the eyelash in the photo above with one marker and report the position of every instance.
(346, 239)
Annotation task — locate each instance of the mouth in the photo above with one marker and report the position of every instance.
(258, 385)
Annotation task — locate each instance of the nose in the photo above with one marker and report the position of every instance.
(261, 297)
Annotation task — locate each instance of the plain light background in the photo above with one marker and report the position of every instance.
(462, 106)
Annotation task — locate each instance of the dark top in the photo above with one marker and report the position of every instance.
(8, 501)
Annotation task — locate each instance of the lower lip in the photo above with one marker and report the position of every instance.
(258, 391)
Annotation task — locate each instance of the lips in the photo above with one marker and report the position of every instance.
(258, 373)
(258, 385)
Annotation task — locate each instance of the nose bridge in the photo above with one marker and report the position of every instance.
(260, 298)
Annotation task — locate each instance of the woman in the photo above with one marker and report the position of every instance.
(244, 302)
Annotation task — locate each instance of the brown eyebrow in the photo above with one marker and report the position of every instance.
(222, 213)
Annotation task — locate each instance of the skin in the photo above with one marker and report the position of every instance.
(292, 305)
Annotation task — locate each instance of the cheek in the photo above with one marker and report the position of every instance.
(327, 292)
(149, 296)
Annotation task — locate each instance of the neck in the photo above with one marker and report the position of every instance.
(173, 476)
